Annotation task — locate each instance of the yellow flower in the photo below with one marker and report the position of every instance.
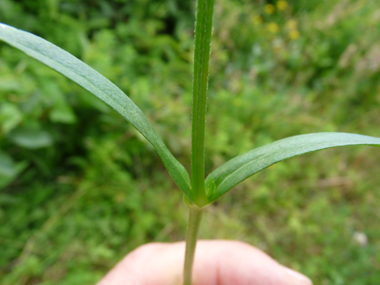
(282, 5)
(294, 34)
(257, 20)
(272, 27)
(269, 9)
(291, 24)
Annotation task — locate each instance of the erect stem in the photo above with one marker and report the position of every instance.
(203, 28)
(195, 216)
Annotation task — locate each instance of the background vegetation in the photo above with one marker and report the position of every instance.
(81, 188)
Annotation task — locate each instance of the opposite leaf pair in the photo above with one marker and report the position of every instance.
(218, 182)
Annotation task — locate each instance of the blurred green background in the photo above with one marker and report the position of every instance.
(80, 188)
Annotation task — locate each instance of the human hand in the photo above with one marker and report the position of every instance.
(217, 262)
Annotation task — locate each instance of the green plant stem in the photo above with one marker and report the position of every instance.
(195, 217)
(203, 28)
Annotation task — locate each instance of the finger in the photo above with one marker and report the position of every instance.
(216, 263)
(233, 262)
(150, 264)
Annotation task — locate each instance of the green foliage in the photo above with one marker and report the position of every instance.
(230, 174)
(315, 70)
(98, 85)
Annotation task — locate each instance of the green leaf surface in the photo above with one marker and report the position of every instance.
(9, 169)
(245, 165)
(10, 116)
(31, 138)
(91, 80)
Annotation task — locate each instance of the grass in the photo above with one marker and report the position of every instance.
(303, 212)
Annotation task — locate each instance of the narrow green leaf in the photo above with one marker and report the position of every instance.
(91, 80)
(245, 165)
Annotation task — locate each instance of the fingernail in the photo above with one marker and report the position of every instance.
(296, 278)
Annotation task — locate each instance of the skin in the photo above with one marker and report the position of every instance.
(217, 262)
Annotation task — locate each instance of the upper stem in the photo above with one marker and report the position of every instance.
(203, 29)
